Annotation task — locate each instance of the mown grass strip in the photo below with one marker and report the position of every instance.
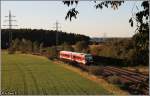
(35, 75)
(110, 87)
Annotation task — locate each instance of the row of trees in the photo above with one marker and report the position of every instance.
(48, 37)
(27, 46)
(115, 48)
(122, 49)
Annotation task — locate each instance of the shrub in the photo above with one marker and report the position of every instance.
(16, 44)
(67, 47)
(41, 47)
(35, 47)
(23, 46)
(81, 46)
(11, 50)
(96, 70)
(52, 52)
(113, 79)
(95, 50)
(123, 86)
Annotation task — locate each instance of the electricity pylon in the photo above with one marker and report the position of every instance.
(57, 26)
(10, 20)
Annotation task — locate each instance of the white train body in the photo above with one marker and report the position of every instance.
(76, 57)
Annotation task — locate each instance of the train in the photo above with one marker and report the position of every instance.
(80, 58)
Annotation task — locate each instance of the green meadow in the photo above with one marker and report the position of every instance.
(28, 74)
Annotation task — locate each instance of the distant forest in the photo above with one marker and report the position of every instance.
(47, 37)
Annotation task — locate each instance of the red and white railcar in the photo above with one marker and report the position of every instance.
(77, 57)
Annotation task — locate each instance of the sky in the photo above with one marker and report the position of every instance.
(90, 21)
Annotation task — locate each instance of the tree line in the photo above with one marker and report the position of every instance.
(47, 37)
(124, 49)
(111, 51)
(36, 48)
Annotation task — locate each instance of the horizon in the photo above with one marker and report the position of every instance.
(94, 23)
(69, 33)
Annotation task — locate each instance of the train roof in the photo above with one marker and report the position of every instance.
(75, 53)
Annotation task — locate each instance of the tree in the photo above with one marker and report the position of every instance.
(35, 47)
(41, 47)
(16, 44)
(94, 49)
(11, 49)
(141, 38)
(29, 46)
(67, 47)
(81, 46)
(51, 52)
(23, 46)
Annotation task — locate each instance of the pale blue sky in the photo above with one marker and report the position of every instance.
(91, 22)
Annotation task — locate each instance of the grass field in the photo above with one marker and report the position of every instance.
(28, 74)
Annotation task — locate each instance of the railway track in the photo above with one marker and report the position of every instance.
(136, 82)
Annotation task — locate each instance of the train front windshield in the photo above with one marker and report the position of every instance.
(89, 58)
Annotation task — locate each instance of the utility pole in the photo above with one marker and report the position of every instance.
(57, 26)
(10, 20)
(57, 29)
(104, 37)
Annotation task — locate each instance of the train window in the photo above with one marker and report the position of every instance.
(74, 57)
(65, 55)
(89, 57)
(77, 58)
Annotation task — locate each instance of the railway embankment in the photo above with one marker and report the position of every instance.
(99, 80)
(124, 81)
